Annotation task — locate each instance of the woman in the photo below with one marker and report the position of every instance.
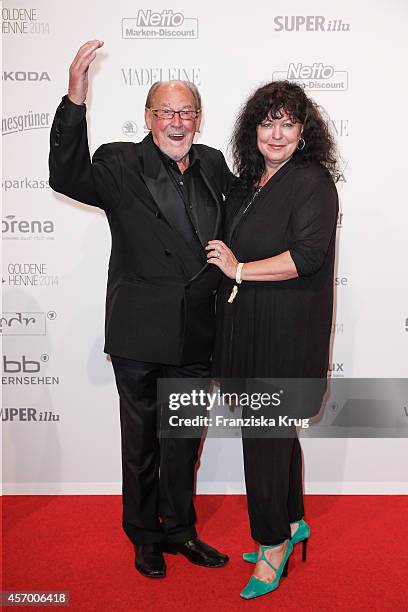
(274, 306)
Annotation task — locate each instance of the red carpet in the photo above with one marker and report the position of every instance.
(357, 556)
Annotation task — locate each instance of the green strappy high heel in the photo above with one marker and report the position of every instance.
(301, 534)
(256, 587)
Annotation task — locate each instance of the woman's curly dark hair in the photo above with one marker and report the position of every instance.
(270, 101)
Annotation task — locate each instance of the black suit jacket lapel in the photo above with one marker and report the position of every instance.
(164, 193)
(211, 184)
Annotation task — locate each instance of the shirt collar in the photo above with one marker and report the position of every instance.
(194, 158)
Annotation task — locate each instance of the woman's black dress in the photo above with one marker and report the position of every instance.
(279, 329)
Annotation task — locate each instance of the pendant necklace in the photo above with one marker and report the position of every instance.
(256, 192)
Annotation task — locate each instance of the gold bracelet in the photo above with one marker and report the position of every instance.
(238, 278)
(238, 281)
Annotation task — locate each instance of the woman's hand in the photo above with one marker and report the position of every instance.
(220, 255)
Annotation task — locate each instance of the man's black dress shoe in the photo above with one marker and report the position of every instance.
(197, 552)
(149, 560)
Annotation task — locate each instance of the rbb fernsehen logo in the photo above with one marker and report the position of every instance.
(317, 76)
(167, 24)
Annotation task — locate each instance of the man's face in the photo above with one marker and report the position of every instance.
(173, 136)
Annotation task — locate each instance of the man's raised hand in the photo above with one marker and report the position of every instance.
(78, 71)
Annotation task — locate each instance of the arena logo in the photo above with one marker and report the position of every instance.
(25, 76)
(28, 414)
(145, 77)
(336, 369)
(129, 129)
(15, 229)
(155, 25)
(316, 76)
(29, 275)
(24, 183)
(25, 370)
(25, 323)
(309, 23)
(22, 21)
(25, 122)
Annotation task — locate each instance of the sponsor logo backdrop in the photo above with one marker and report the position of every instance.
(60, 420)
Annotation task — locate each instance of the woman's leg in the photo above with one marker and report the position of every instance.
(269, 480)
(295, 493)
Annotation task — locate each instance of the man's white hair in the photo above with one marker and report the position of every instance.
(193, 88)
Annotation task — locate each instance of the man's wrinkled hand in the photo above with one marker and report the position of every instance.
(78, 71)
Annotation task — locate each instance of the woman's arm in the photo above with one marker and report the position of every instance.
(278, 268)
(313, 223)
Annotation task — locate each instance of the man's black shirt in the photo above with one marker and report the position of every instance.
(198, 203)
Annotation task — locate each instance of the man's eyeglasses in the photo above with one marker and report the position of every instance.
(167, 113)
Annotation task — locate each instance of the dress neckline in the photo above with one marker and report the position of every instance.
(278, 172)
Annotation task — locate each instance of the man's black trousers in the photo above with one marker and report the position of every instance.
(158, 473)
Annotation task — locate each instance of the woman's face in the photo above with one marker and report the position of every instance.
(277, 140)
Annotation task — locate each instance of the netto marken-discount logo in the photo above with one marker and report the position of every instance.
(317, 76)
(155, 25)
(309, 23)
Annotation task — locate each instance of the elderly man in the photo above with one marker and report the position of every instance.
(163, 201)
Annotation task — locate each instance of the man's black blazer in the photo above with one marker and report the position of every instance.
(161, 293)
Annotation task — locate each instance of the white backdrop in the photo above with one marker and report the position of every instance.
(61, 425)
